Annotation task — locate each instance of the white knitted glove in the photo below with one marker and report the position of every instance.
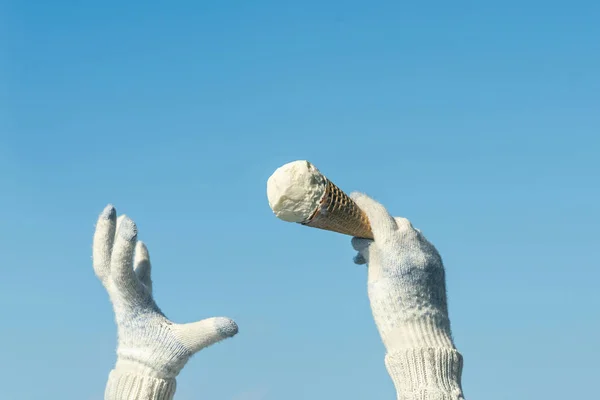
(407, 292)
(151, 350)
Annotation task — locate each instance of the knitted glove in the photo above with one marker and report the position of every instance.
(151, 350)
(407, 292)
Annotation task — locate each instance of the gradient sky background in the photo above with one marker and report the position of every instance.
(479, 123)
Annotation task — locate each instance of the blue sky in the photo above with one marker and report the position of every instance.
(478, 123)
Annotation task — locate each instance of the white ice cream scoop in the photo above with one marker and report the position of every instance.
(295, 191)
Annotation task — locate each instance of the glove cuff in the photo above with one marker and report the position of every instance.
(124, 385)
(429, 332)
(426, 373)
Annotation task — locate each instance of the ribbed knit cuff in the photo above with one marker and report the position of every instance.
(427, 332)
(129, 386)
(426, 373)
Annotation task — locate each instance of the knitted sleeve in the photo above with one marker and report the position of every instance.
(130, 386)
(426, 373)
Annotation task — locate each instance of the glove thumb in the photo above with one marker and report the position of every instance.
(198, 335)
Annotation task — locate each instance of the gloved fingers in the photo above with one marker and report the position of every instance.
(362, 247)
(103, 242)
(359, 259)
(382, 223)
(403, 223)
(405, 226)
(142, 265)
(198, 335)
(121, 267)
(119, 220)
(360, 244)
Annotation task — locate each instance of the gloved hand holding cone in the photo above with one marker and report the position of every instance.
(298, 192)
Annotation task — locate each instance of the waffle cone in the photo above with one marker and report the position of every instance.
(339, 213)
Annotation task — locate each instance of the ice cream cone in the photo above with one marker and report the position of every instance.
(339, 213)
